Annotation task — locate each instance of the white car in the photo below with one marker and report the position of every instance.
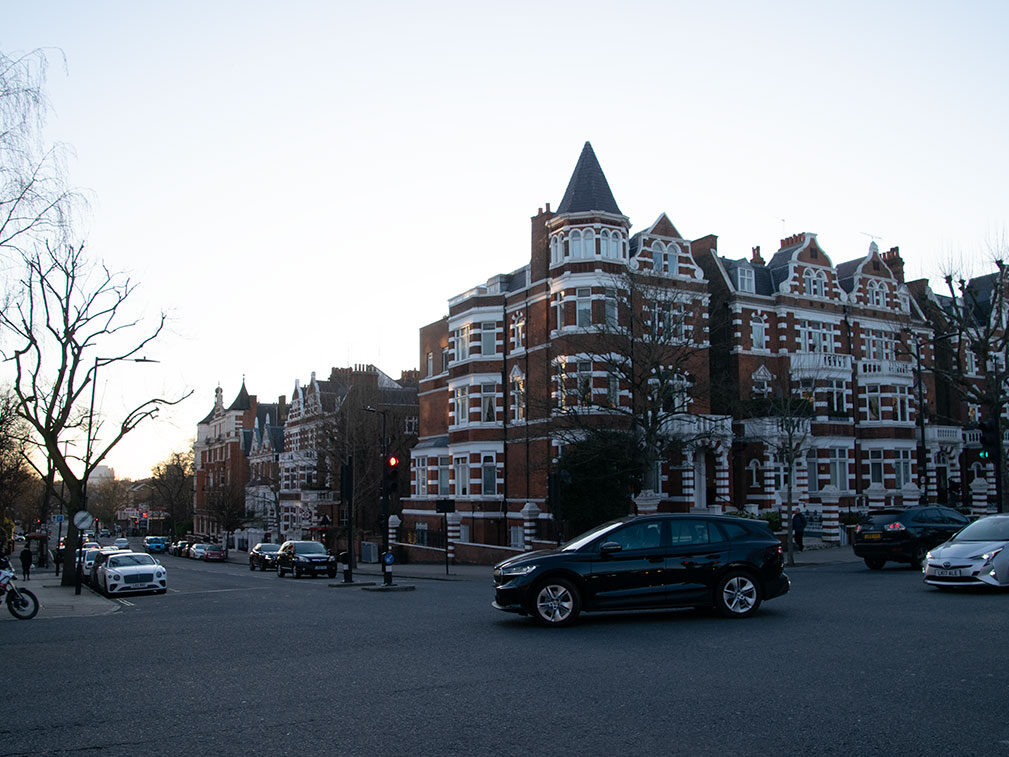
(87, 560)
(131, 571)
(976, 555)
(121, 543)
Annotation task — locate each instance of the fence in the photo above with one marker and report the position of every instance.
(421, 537)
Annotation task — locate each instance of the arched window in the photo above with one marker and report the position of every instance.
(588, 244)
(815, 282)
(758, 332)
(877, 294)
(575, 244)
(754, 468)
(555, 250)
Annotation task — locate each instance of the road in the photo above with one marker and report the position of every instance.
(851, 662)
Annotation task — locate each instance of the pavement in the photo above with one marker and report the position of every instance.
(56, 601)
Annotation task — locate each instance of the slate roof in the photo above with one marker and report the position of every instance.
(242, 401)
(763, 281)
(983, 288)
(435, 441)
(846, 273)
(588, 189)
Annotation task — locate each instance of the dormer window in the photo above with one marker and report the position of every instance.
(665, 259)
(815, 282)
(745, 279)
(876, 294)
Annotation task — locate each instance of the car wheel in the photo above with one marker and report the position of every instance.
(105, 587)
(252, 565)
(737, 595)
(874, 563)
(280, 572)
(918, 557)
(556, 603)
(161, 591)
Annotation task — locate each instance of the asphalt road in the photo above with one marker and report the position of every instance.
(851, 662)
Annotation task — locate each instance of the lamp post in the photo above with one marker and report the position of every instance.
(88, 449)
(920, 414)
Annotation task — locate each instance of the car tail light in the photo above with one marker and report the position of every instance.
(895, 526)
(858, 528)
(779, 549)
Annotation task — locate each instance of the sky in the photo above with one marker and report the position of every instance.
(303, 185)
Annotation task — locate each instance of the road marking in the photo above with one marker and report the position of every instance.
(123, 601)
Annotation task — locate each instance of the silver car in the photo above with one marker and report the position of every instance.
(976, 555)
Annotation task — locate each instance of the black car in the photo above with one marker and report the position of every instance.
(904, 534)
(664, 560)
(263, 556)
(305, 558)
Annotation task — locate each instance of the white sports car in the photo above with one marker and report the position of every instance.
(132, 571)
(976, 555)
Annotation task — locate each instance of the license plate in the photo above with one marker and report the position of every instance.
(869, 537)
(942, 572)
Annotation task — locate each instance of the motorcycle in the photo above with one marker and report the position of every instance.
(22, 604)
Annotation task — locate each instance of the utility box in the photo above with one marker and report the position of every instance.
(369, 552)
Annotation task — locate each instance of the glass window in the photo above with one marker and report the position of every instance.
(559, 311)
(611, 307)
(429, 363)
(518, 392)
(488, 409)
(583, 306)
(461, 340)
(838, 464)
(488, 477)
(745, 280)
(584, 379)
(758, 333)
(902, 468)
(646, 535)
(488, 338)
(812, 471)
(519, 332)
(687, 532)
(461, 405)
(902, 403)
(872, 402)
(421, 483)
(461, 477)
(612, 390)
(876, 466)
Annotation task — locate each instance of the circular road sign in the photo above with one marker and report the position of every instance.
(83, 520)
(388, 558)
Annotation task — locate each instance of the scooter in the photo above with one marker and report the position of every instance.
(22, 603)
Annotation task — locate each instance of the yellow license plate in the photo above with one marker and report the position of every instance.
(867, 537)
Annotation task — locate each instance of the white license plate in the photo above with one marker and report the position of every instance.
(946, 573)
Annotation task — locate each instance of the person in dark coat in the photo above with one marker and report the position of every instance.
(798, 528)
(26, 562)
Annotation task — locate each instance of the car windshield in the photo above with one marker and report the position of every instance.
(214, 548)
(580, 541)
(122, 561)
(985, 529)
(309, 548)
(269, 547)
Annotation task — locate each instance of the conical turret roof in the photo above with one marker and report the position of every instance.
(588, 190)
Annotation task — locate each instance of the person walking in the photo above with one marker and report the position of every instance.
(26, 562)
(798, 528)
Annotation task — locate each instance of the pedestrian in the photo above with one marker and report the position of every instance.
(26, 562)
(798, 528)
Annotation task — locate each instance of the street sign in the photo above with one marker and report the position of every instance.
(445, 505)
(83, 520)
(59, 518)
(388, 558)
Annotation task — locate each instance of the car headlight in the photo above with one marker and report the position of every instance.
(518, 570)
(301, 559)
(989, 556)
(159, 575)
(115, 576)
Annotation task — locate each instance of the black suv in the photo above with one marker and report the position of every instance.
(904, 534)
(663, 560)
(305, 558)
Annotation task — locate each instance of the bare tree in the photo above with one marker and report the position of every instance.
(65, 312)
(226, 507)
(172, 481)
(106, 497)
(635, 374)
(15, 474)
(976, 313)
(35, 202)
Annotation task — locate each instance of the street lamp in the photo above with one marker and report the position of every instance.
(88, 449)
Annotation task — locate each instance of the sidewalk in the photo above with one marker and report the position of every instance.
(57, 601)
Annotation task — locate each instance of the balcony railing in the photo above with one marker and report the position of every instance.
(944, 434)
(698, 426)
(883, 368)
(819, 363)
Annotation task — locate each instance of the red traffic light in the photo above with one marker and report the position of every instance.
(392, 461)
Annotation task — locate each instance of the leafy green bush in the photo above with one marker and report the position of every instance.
(773, 518)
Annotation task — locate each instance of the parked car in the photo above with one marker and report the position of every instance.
(196, 550)
(130, 571)
(263, 556)
(100, 557)
(122, 542)
(904, 534)
(104, 533)
(179, 548)
(305, 558)
(974, 556)
(155, 544)
(214, 552)
(663, 560)
(86, 557)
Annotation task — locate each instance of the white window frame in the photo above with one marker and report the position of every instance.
(745, 279)
(460, 473)
(488, 473)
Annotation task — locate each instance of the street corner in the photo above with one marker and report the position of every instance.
(57, 601)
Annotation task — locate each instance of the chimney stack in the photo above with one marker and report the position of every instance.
(756, 259)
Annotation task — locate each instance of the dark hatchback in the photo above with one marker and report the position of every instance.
(904, 534)
(665, 560)
(305, 558)
(263, 556)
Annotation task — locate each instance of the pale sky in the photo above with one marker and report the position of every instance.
(303, 185)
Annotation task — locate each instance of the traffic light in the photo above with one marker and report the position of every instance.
(989, 439)
(390, 475)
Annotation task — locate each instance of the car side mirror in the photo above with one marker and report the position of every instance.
(609, 548)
